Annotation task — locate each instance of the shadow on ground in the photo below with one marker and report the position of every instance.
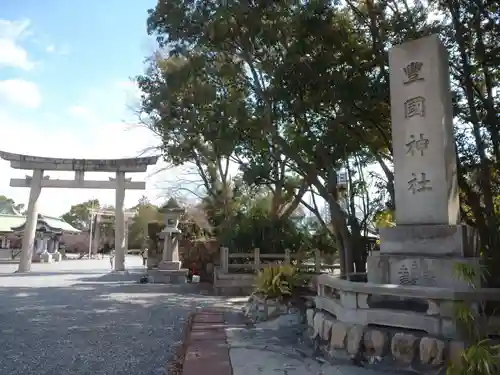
(48, 273)
(102, 324)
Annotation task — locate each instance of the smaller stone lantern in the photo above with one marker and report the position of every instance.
(169, 270)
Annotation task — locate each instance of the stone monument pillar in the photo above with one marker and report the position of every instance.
(428, 239)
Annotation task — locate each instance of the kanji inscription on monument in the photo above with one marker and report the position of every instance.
(415, 107)
(417, 145)
(412, 72)
(419, 184)
(423, 146)
(415, 272)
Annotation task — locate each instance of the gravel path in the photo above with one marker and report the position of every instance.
(74, 318)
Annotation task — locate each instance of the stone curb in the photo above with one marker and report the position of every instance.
(175, 367)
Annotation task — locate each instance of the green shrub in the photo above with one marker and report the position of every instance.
(279, 281)
(482, 357)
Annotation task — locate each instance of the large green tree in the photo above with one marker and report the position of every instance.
(314, 97)
(472, 34)
(312, 84)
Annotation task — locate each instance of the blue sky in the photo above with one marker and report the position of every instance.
(65, 88)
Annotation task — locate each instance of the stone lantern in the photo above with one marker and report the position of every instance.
(172, 212)
(169, 269)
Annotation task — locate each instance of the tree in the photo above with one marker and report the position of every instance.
(79, 215)
(313, 94)
(138, 229)
(291, 61)
(472, 32)
(194, 119)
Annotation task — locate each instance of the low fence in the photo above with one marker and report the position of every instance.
(255, 261)
(236, 273)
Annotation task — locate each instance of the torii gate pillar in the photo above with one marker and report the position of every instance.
(28, 241)
(120, 245)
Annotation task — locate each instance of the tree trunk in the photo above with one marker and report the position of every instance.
(359, 249)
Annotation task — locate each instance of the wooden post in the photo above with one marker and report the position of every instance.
(317, 261)
(256, 259)
(224, 259)
(288, 257)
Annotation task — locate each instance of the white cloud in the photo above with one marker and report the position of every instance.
(14, 29)
(80, 111)
(11, 52)
(79, 132)
(128, 87)
(58, 50)
(20, 92)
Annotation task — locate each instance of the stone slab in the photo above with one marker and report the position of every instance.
(209, 318)
(426, 187)
(208, 326)
(168, 277)
(169, 266)
(208, 335)
(205, 357)
(427, 239)
(417, 270)
(208, 351)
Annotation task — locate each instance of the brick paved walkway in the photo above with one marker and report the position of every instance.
(207, 350)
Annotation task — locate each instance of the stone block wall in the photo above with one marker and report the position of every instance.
(379, 346)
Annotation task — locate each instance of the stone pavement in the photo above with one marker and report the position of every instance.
(221, 343)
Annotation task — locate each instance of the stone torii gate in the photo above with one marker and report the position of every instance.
(38, 181)
(100, 216)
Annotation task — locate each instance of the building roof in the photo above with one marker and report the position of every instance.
(11, 220)
(7, 208)
(8, 222)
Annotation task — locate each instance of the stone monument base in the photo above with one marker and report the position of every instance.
(153, 261)
(402, 269)
(380, 348)
(162, 276)
(169, 265)
(434, 240)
